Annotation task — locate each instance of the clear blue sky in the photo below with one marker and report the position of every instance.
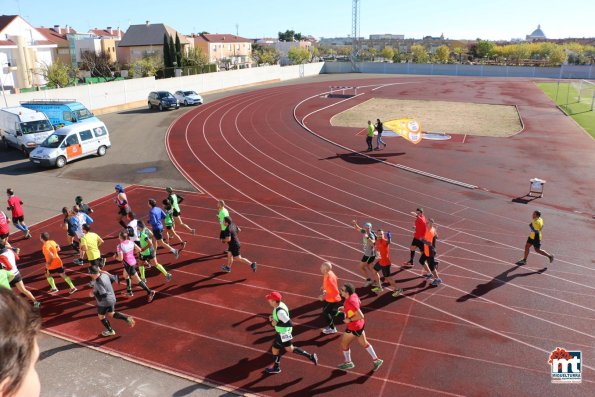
(457, 19)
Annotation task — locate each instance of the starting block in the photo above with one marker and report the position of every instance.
(536, 187)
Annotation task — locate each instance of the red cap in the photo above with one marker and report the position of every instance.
(274, 296)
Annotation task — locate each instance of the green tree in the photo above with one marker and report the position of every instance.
(557, 56)
(289, 35)
(459, 52)
(315, 52)
(57, 74)
(145, 67)
(419, 54)
(483, 48)
(195, 57)
(264, 55)
(443, 54)
(387, 53)
(373, 52)
(167, 61)
(172, 51)
(520, 52)
(298, 55)
(178, 50)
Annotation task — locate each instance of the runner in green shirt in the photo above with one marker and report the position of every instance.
(222, 214)
(176, 200)
(5, 278)
(370, 136)
(170, 223)
(148, 256)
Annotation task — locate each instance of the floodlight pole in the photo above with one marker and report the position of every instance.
(355, 17)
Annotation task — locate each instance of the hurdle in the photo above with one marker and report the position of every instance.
(335, 89)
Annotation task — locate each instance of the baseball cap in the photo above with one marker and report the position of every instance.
(368, 224)
(274, 296)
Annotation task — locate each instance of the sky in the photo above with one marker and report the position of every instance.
(456, 19)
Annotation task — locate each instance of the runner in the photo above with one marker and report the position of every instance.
(383, 264)
(4, 230)
(370, 136)
(18, 215)
(121, 201)
(78, 219)
(53, 263)
(148, 254)
(379, 128)
(156, 217)
(354, 318)
(8, 260)
(106, 299)
(231, 238)
(365, 266)
(330, 297)
(223, 212)
(283, 338)
(176, 200)
(70, 225)
(131, 227)
(90, 246)
(535, 239)
(5, 278)
(78, 200)
(125, 253)
(418, 235)
(170, 224)
(429, 254)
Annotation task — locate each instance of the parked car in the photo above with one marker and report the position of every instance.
(71, 143)
(188, 97)
(23, 128)
(162, 100)
(61, 112)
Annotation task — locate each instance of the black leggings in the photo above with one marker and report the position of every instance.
(329, 311)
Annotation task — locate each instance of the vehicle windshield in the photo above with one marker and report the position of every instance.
(190, 93)
(33, 127)
(165, 95)
(83, 114)
(53, 141)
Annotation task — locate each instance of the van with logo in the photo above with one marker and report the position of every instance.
(23, 128)
(62, 112)
(71, 143)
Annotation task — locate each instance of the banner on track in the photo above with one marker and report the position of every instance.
(409, 129)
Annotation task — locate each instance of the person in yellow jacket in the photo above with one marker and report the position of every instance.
(535, 239)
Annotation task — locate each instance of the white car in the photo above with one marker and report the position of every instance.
(188, 97)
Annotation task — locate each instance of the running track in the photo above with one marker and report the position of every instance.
(487, 331)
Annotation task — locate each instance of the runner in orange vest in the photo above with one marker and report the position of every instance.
(53, 263)
(429, 254)
(331, 297)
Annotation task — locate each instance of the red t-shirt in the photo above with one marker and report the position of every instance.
(15, 203)
(383, 249)
(351, 306)
(420, 227)
(4, 229)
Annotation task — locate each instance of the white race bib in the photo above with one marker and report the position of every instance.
(286, 336)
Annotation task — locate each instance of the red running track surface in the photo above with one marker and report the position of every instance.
(488, 330)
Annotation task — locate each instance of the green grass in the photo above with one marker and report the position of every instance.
(579, 111)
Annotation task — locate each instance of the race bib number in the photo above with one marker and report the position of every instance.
(286, 337)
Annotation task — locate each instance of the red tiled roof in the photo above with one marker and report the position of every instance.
(7, 43)
(105, 32)
(5, 20)
(224, 38)
(54, 37)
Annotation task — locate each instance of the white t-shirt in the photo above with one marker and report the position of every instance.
(132, 224)
(8, 256)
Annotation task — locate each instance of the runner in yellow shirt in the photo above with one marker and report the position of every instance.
(90, 244)
(535, 239)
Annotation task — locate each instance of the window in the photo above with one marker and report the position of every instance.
(67, 116)
(100, 131)
(72, 140)
(86, 135)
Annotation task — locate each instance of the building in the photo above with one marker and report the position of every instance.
(64, 51)
(387, 36)
(536, 35)
(228, 51)
(24, 52)
(146, 40)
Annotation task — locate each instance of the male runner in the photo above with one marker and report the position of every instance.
(53, 263)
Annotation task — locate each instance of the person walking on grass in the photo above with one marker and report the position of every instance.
(170, 225)
(534, 239)
(418, 235)
(330, 297)
(233, 254)
(281, 321)
(148, 254)
(383, 264)
(15, 205)
(156, 218)
(221, 215)
(125, 253)
(370, 136)
(8, 261)
(53, 264)
(428, 258)
(175, 200)
(106, 299)
(369, 241)
(379, 130)
(354, 318)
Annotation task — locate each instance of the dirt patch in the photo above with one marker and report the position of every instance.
(437, 116)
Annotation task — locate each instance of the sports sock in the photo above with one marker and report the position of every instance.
(141, 270)
(51, 282)
(128, 285)
(277, 360)
(347, 355)
(106, 324)
(301, 352)
(69, 281)
(20, 227)
(371, 351)
(161, 269)
(412, 255)
(143, 285)
(120, 316)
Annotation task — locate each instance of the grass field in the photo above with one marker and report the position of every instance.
(565, 96)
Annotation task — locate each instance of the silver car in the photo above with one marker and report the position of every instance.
(188, 97)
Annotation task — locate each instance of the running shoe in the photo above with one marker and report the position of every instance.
(368, 283)
(329, 330)
(103, 260)
(183, 244)
(36, 304)
(428, 276)
(130, 321)
(522, 262)
(377, 363)
(167, 277)
(398, 292)
(72, 290)
(345, 366)
(53, 291)
(377, 289)
(129, 293)
(253, 266)
(108, 333)
(551, 258)
(226, 251)
(27, 236)
(176, 253)
(408, 264)
(384, 145)
(314, 358)
(226, 268)
(436, 282)
(78, 262)
(151, 296)
(272, 370)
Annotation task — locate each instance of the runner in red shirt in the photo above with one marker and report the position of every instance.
(418, 235)
(354, 318)
(18, 216)
(4, 229)
(383, 264)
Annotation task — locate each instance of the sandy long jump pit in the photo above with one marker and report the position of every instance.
(436, 116)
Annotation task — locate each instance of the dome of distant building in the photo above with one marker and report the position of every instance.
(537, 34)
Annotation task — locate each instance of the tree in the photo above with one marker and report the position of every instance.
(167, 61)
(145, 67)
(315, 52)
(373, 52)
(443, 54)
(388, 53)
(557, 56)
(520, 52)
(419, 54)
(57, 74)
(178, 51)
(288, 35)
(172, 51)
(298, 55)
(460, 51)
(100, 65)
(195, 57)
(483, 48)
(265, 55)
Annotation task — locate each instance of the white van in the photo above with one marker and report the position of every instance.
(23, 128)
(71, 143)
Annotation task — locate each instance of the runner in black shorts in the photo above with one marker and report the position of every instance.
(369, 239)
(231, 237)
(418, 235)
(121, 201)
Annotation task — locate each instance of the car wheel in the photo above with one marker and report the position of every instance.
(25, 152)
(60, 162)
(161, 107)
(185, 102)
(150, 106)
(4, 144)
(101, 151)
